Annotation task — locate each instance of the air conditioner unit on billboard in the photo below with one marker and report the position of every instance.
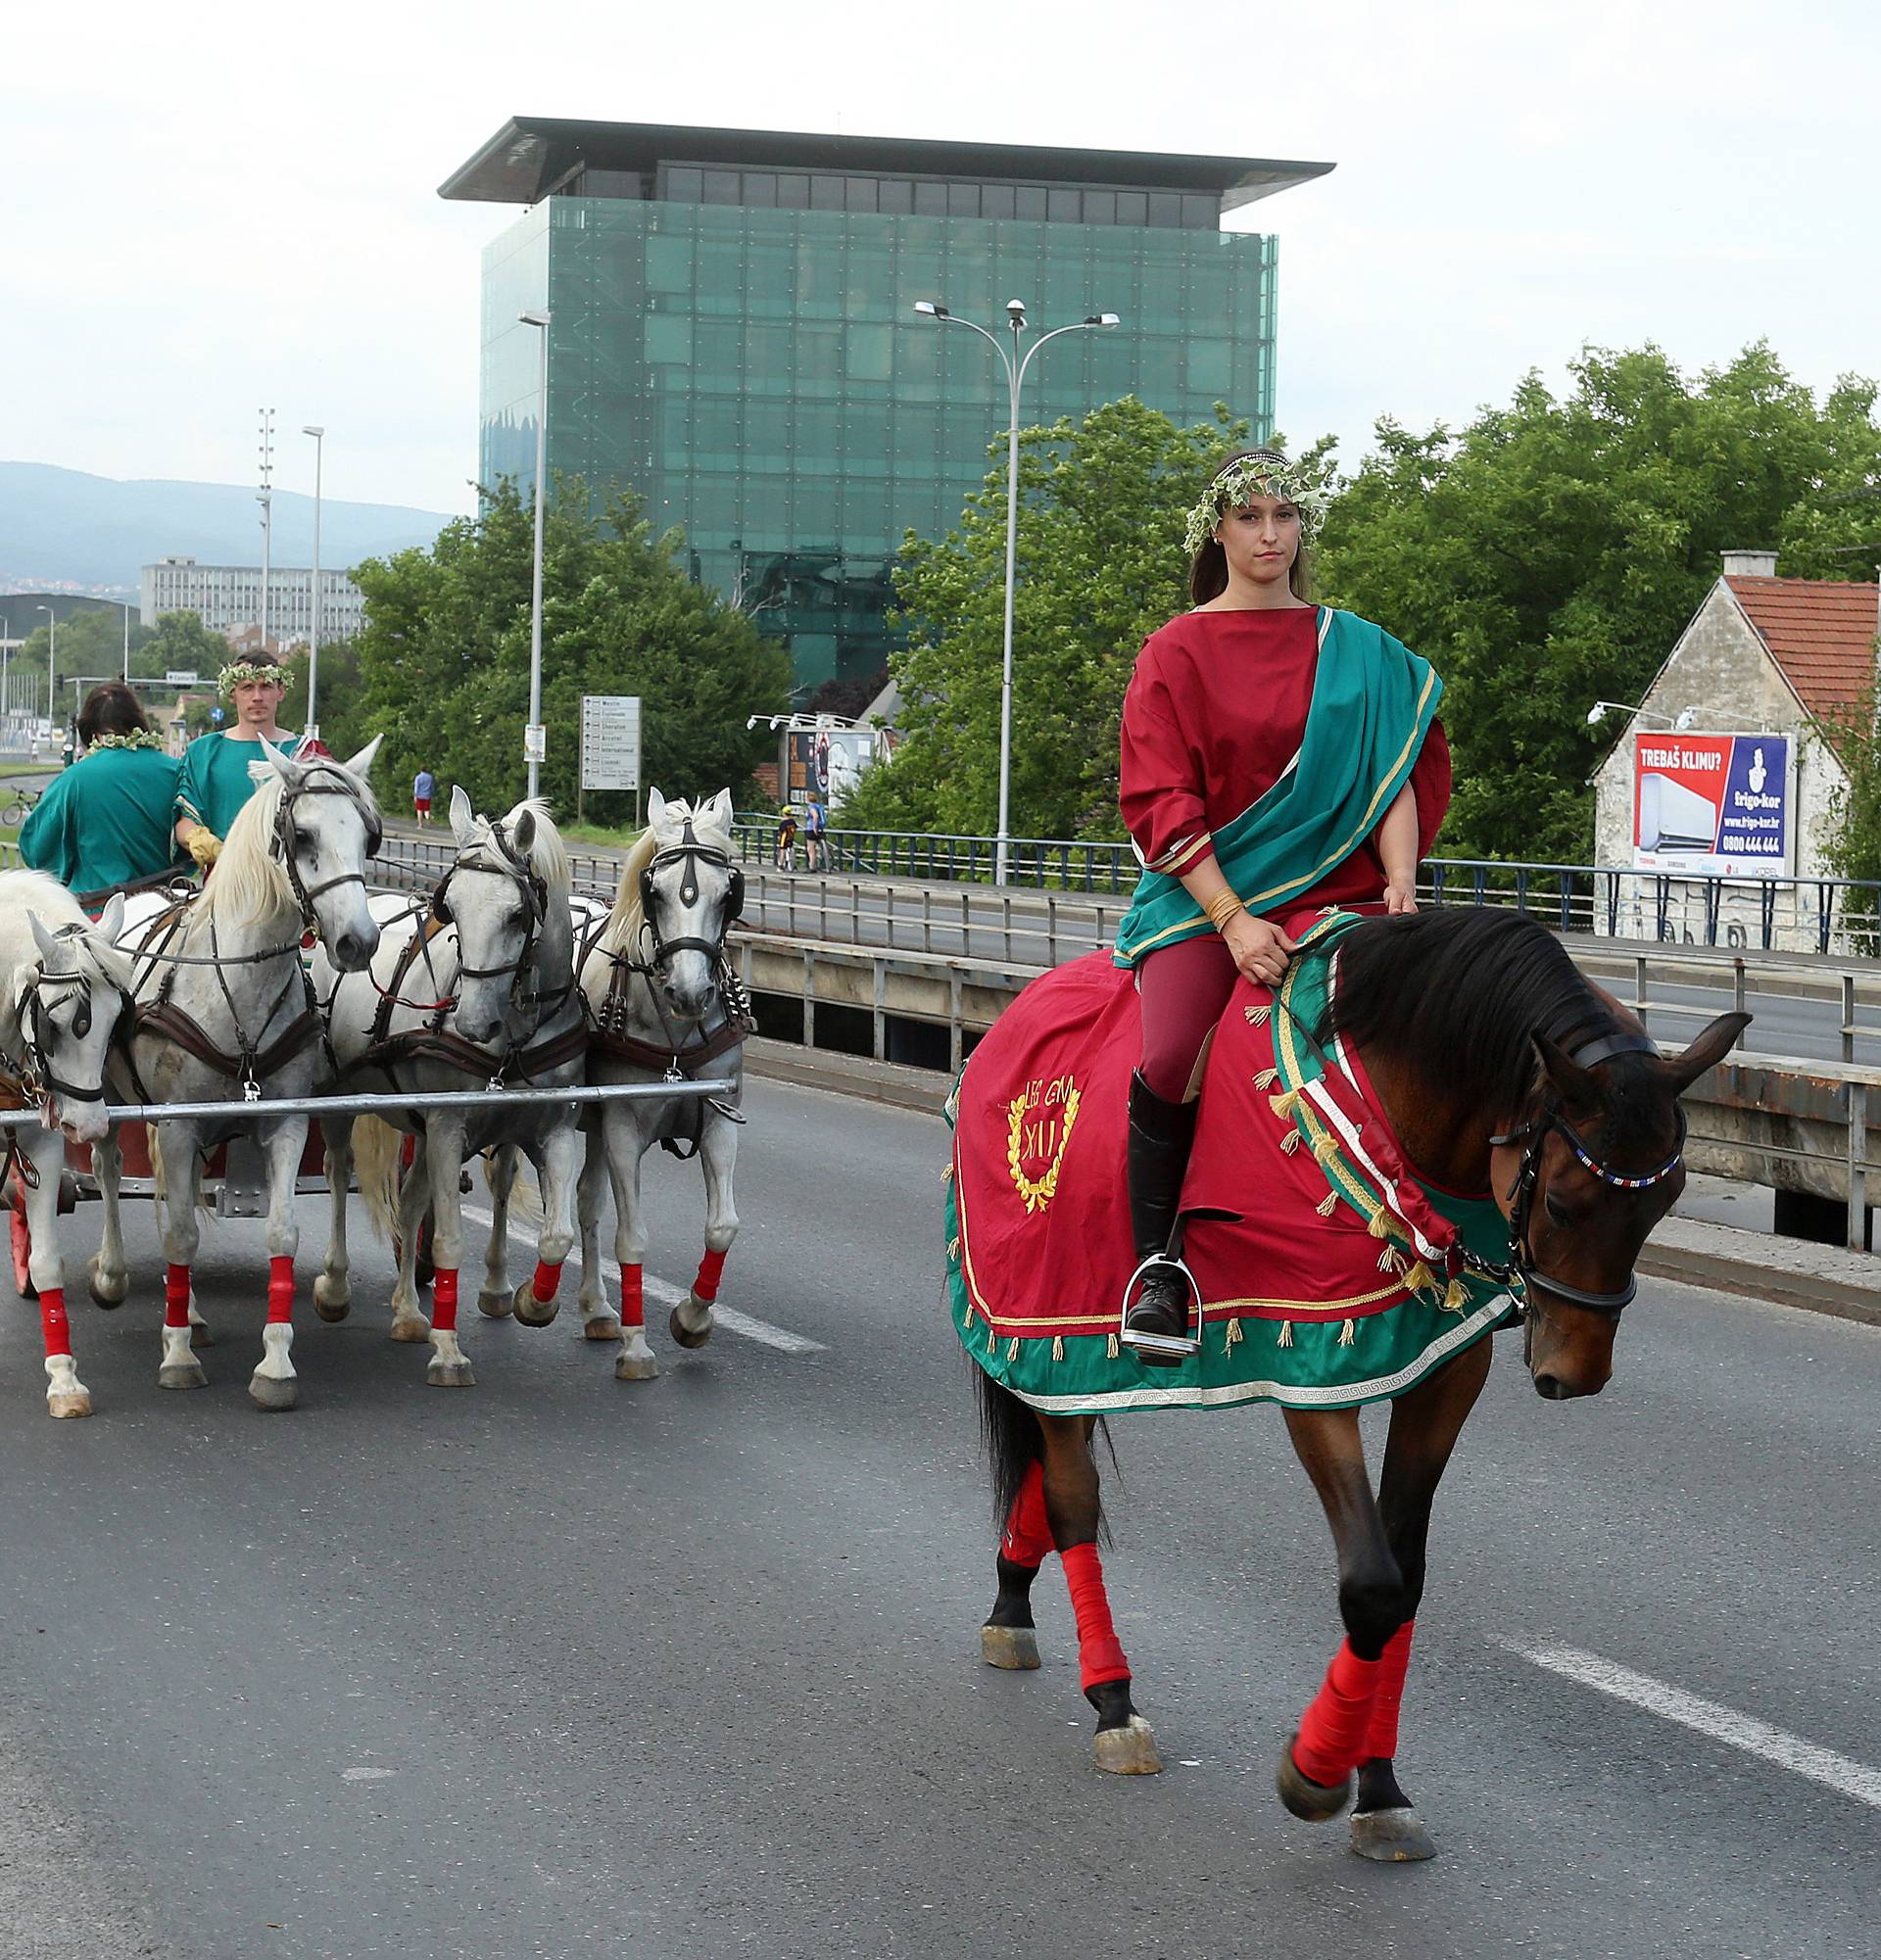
(1672, 817)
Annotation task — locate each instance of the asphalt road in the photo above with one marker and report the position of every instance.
(560, 1666)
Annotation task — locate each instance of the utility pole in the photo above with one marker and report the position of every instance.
(266, 498)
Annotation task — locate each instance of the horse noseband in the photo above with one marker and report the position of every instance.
(691, 853)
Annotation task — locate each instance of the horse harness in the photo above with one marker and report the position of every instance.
(27, 1081)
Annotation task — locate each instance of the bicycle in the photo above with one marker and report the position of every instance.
(15, 813)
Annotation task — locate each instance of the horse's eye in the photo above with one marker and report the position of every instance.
(1559, 1211)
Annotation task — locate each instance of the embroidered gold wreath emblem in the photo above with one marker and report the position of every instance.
(1037, 1193)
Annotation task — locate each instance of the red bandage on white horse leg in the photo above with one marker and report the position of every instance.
(1381, 1736)
(548, 1282)
(52, 1320)
(1333, 1730)
(710, 1268)
(633, 1303)
(444, 1301)
(1100, 1655)
(1028, 1537)
(280, 1289)
(176, 1296)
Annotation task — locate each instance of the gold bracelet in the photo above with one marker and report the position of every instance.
(1221, 908)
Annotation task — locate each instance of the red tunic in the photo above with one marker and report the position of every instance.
(1215, 713)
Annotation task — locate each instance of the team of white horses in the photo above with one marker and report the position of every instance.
(503, 981)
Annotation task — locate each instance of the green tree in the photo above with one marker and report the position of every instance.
(443, 661)
(180, 643)
(1100, 567)
(1550, 553)
(1852, 836)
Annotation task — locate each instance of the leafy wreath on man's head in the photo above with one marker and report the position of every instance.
(1264, 473)
(237, 671)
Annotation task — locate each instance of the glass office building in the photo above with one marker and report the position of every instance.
(734, 334)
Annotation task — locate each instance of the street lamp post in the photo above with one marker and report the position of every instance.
(1015, 365)
(264, 496)
(313, 617)
(532, 741)
(52, 661)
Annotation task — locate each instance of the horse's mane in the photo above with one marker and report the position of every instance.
(248, 882)
(548, 855)
(1459, 992)
(623, 921)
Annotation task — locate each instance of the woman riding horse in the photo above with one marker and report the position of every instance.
(1277, 757)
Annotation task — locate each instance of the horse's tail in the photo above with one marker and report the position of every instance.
(160, 1177)
(1012, 1438)
(376, 1164)
(525, 1198)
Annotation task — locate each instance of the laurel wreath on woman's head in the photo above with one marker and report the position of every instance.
(138, 737)
(232, 676)
(1264, 473)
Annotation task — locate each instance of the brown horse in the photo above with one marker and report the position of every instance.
(1500, 1070)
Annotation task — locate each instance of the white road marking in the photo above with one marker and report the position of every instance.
(1712, 1718)
(366, 1775)
(669, 1295)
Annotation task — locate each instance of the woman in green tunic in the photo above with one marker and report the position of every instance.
(216, 780)
(107, 820)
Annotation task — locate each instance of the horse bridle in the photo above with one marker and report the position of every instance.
(281, 848)
(535, 895)
(692, 853)
(39, 1076)
(1532, 1135)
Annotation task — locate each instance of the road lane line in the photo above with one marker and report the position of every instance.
(669, 1295)
(1713, 1720)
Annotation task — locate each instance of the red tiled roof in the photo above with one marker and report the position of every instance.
(1820, 631)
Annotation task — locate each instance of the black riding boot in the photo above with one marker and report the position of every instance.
(1160, 1136)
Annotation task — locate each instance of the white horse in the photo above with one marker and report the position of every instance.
(480, 994)
(666, 1008)
(223, 1011)
(64, 989)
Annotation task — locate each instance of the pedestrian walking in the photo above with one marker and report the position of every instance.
(814, 838)
(784, 849)
(422, 784)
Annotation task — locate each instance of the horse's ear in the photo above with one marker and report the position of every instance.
(523, 837)
(111, 921)
(47, 942)
(719, 810)
(361, 765)
(464, 819)
(656, 809)
(1572, 1083)
(1709, 1049)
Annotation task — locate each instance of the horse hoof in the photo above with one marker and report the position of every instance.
(267, 1391)
(1392, 1836)
(530, 1310)
(334, 1300)
(69, 1402)
(687, 1337)
(1128, 1752)
(494, 1304)
(451, 1374)
(181, 1374)
(412, 1327)
(1009, 1647)
(107, 1293)
(1313, 1801)
(603, 1327)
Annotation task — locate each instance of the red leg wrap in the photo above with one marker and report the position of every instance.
(1334, 1728)
(1100, 1656)
(408, 1151)
(1381, 1738)
(633, 1304)
(280, 1289)
(1028, 1537)
(710, 1267)
(548, 1282)
(52, 1320)
(176, 1296)
(444, 1302)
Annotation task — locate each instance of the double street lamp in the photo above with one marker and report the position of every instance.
(1015, 365)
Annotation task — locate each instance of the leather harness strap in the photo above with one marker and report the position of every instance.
(167, 1022)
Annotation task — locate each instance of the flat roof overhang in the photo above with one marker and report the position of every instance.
(530, 155)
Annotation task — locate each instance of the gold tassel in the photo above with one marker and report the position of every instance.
(1381, 1225)
(946, 1171)
(954, 1251)
(1455, 1296)
(1418, 1278)
(1348, 1333)
(1233, 1339)
(1258, 1016)
(1290, 1142)
(1287, 1334)
(1057, 1347)
(1396, 1261)
(1284, 1104)
(1267, 1078)
(1326, 1205)
(1326, 1147)
(1112, 1347)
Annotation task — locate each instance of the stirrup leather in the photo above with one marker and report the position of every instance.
(1166, 1347)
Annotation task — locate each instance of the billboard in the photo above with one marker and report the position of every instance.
(1721, 805)
(822, 765)
(610, 741)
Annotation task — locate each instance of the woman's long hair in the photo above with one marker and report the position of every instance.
(111, 709)
(1208, 568)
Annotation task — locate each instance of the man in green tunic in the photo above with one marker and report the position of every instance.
(107, 820)
(214, 781)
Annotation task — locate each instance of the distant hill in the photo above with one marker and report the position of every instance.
(60, 526)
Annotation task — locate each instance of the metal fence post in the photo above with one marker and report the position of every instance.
(881, 1002)
(809, 998)
(1858, 1172)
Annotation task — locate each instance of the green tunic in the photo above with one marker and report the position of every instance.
(109, 819)
(216, 781)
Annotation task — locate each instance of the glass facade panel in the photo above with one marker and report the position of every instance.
(758, 375)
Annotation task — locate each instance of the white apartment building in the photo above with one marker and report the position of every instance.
(228, 597)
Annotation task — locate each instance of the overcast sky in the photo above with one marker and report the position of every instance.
(208, 207)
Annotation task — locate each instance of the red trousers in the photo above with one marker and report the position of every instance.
(1184, 990)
